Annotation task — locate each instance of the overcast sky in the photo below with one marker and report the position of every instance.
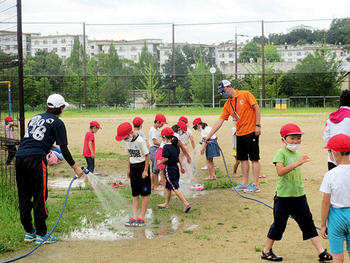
(179, 12)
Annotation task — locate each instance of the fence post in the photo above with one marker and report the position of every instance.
(324, 102)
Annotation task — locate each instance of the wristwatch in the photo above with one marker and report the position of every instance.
(258, 125)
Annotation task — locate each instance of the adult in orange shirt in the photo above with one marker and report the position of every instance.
(242, 106)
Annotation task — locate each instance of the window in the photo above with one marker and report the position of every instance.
(54, 41)
(45, 49)
(45, 42)
(133, 49)
(121, 48)
(100, 48)
(54, 49)
(298, 53)
(133, 57)
(36, 42)
(92, 54)
(7, 47)
(63, 49)
(289, 53)
(63, 40)
(223, 55)
(92, 47)
(230, 55)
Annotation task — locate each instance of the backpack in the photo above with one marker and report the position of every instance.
(51, 158)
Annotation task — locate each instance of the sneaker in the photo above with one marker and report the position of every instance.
(140, 222)
(30, 237)
(241, 187)
(131, 222)
(262, 176)
(252, 188)
(49, 240)
(121, 184)
(204, 168)
(210, 178)
(114, 185)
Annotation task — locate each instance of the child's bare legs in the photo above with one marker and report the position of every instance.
(235, 167)
(211, 169)
(162, 177)
(181, 197)
(316, 242)
(268, 245)
(135, 206)
(144, 206)
(167, 195)
(256, 171)
(245, 171)
(339, 258)
(154, 181)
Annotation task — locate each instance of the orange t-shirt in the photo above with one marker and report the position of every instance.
(242, 103)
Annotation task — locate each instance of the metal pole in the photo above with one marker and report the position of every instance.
(20, 68)
(9, 94)
(263, 61)
(236, 69)
(173, 61)
(84, 65)
(212, 82)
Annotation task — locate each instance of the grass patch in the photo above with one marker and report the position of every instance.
(187, 231)
(257, 249)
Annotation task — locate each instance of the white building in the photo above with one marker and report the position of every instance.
(9, 45)
(62, 45)
(130, 49)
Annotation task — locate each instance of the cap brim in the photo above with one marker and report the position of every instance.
(326, 148)
(164, 122)
(120, 138)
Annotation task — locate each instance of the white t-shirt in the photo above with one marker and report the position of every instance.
(185, 137)
(154, 134)
(336, 182)
(137, 150)
(205, 132)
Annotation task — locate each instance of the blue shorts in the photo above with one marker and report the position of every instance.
(152, 154)
(338, 229)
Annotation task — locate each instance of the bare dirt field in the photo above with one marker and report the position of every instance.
(230, 228)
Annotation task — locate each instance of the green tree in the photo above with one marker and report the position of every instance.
(271, 54)
(317, 74)
(250, 51)
(339, 31)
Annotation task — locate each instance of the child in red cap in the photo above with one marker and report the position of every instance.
(138, 171)
(89, 147)
(335, 213)
(290, 198)
(137, 123)
(154, 143)
(171, 153)
(10, 134)
(210, 148)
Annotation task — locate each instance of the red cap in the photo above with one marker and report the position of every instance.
(123, 130)
(339, 143)
(161, 118)
(184, 119)
(196, 121)
(167, 132)
(182, 125)
(8, 119)
(95, 123)
(289, 129)
(137, 121)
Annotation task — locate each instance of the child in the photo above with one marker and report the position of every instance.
(211, 148)
(171, 153)
(154, 142)
(187, 136)
(159, 157)
(338, 121)
(234, 148)
(290, 199)
(89, 145)
(9, 134)
(335, 213)
(137, 122)
(138, 171)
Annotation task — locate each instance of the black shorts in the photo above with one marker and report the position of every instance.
(248, 146)
(172, 177)
(298, 208)
(139, 186)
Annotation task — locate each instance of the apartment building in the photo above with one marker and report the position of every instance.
(62, 45)
(129, 49)
(9, 45)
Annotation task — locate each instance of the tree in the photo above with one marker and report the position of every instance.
(271, 54)
(317, 74)
(250, 51)
(339, 31)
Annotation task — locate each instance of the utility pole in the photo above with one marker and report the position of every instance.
(174, 70)
(84, 65)
(236, 69)
(263, 62)
(20, 68)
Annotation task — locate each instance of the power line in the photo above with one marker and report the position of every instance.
(8, 19)
(3, 1)
(133, 24)
(2, 11)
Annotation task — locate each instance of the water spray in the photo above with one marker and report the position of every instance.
(86, 171)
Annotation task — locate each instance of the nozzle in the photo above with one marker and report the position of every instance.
(202, 141)
(85, 170)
